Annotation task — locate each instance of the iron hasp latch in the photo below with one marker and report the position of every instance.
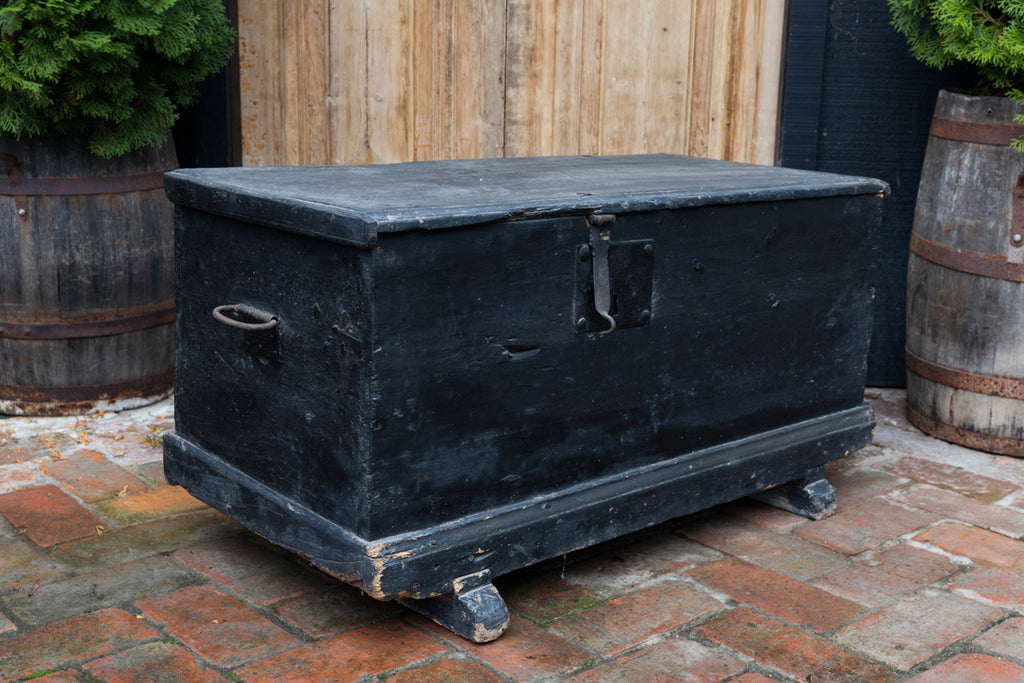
(614, 280)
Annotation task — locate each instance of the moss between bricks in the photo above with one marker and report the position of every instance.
(565, 608)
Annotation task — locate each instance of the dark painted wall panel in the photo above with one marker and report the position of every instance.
(871, 119)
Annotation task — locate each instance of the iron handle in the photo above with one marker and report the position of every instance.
(254, 320)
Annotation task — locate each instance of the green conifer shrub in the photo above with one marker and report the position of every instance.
(117, 71)
(986, 34)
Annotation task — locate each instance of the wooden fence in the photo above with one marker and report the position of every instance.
(376, 81)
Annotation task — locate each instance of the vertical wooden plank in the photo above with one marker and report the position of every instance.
(645, 81)
(752, 100)
(568, 96)
(478, 98)
(576, 96)
(591, 46)
(723, 71)
(732, 81)
(700, 105)
(529, 77)
(258, 67)
(771, 27)
(624, 92)
(304, 88)
(349, 31)
(359, 81)
(431, 93)
(370, 82)
(667, 113)
(750, 81)
(389, 81)
(288, 13)
(425, 80)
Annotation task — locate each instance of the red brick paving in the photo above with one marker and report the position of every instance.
(793, 601)
(6, 625)
(62, 676)
(161, 502)
(674, 660)
(90, 477)
(994, 586)
(917, 628)
(891, 573)
(22, 565)
(525, 653)
(621, 570)
(339, 609)
(252, 570)
(764, 515)
(790, 650)
(627, 621)
(349, 656)
(173, 662)
(543, 597)
(1006, 638)
(854, 484)
(22, 476)
(864, 526)
(954, 506)
(52, 600)
(446, 671)
(109, 574)
(41, 446)
(973, 667)
(65, 642)
(980, 487)
(112, 548)
(216, 626)
(980, 545)
(780, 552)
(47, 515)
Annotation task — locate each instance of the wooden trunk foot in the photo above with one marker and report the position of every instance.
(813, 497)
(474, 610)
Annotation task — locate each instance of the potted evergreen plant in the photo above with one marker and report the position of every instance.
(89, 90)
(988, 35)
(965, 282)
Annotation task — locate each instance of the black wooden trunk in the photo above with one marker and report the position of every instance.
(437, 404)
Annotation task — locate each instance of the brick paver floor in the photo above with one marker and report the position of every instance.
(109, 574)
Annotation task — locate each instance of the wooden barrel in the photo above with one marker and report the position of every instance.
(86, 278)
(965, 280)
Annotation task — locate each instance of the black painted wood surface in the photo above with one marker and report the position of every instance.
(428, 414)
(856, 102)
(352, 204)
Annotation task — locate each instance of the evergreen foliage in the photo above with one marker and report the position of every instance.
(117, 70)
(986, 34)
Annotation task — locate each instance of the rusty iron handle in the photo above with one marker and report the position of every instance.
(261, 320)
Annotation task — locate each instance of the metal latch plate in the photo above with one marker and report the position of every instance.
(631, 283)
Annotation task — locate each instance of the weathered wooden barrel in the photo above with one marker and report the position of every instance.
(86, 278)
(965, 281)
